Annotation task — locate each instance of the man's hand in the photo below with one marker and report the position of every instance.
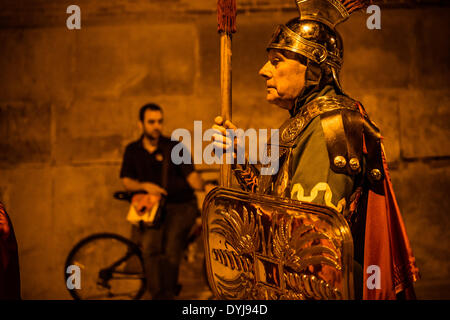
(153, 188)
(209, 187)
(196, 182)
(144, 202)
(221, 141)
(134, 185)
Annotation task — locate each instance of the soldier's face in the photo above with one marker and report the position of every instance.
(152, 124)
(285, 78)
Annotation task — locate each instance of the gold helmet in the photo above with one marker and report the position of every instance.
(313, 35)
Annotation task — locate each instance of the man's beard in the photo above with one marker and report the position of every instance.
(152, 137)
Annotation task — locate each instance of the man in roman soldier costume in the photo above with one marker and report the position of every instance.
(330, 158)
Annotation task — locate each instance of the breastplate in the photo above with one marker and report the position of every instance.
(290, 132)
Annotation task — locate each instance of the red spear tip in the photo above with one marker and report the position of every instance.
(226, 16)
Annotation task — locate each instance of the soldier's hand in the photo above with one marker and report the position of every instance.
(221, 141)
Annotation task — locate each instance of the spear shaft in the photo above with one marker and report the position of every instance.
(226, 20)
(225, 103)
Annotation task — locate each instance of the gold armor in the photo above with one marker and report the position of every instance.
(264, 247)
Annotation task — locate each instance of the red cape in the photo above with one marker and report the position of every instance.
(387, 246)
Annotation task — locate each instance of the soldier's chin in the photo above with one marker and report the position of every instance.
(276, 100)
(272, 98)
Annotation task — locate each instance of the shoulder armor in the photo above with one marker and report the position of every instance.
(343, 126)
(374, 166)
(290, 130)
(350, 135)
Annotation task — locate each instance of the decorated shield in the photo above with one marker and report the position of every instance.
(263, 247)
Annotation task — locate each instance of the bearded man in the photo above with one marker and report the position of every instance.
(147, 166)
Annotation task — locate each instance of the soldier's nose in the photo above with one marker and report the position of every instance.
(264, 72)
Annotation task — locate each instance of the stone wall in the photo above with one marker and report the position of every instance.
(69, 102)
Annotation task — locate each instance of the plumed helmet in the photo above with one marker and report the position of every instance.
(313, 35)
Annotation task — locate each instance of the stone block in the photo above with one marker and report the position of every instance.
(93, 129)
(36, 64)
(136, 59)
(424, 119)
(430, 56)
(377, 58)
(383, 109)
(86, 204)
(25, 132)
(422, 194)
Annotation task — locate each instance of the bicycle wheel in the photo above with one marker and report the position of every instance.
(111, 267)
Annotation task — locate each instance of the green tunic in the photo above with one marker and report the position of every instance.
(313, 180)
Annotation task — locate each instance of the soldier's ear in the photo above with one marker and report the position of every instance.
(140, 125)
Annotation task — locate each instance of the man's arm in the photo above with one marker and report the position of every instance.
(196, 182)
(134, 185)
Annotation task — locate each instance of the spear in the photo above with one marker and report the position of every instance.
(226, 21)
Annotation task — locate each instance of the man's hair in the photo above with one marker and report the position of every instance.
(148, 106)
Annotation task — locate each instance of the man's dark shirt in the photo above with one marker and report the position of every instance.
(143, 166)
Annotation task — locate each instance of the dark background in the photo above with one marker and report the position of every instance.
(69, 103)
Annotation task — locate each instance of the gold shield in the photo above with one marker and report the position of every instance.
(263, 247)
